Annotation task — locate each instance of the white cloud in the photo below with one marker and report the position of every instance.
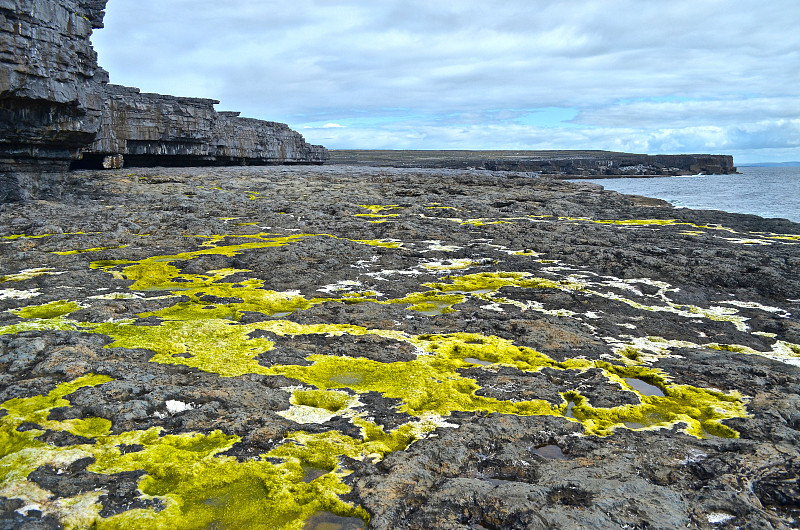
(653, 74)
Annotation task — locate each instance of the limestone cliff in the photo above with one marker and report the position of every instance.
(56, 104)
(49, 104)
(154, 129)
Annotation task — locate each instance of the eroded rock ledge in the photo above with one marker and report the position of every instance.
(160, 130)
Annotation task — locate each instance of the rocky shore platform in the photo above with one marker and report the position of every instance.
(354, 347)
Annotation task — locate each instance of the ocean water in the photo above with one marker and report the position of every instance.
(763, 191)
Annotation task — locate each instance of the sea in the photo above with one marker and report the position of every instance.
(763, 191)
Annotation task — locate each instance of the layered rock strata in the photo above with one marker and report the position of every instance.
(572, 164)
(55, 99)
(49, 104)
(160, 130)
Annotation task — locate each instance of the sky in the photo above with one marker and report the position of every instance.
(672, 76)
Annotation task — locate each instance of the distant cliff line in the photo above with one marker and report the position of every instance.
(560, 164)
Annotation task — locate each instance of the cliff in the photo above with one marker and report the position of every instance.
(49, 104)
(572, 164)
(56, 106)
(154, 129)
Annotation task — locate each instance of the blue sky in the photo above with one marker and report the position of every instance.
(673, 76)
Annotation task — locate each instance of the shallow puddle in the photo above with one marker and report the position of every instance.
(473, 360)
(634, 425)
(313, 473)
(645, 389)
(330, 521)
(550, 451)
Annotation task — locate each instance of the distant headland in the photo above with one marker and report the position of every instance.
(559, 164)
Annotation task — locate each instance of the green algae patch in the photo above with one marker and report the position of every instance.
(430, 303)
(211, 345)
(50, 316)
(383, 243)
(323, 450)
(47, 311)
(197, 485)
(333, 401)
(486, 282)
(700, 411)
(427, 385)
(377, 208)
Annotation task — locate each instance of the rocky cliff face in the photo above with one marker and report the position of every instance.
(55, 102)
(49, 104)
(154, 129)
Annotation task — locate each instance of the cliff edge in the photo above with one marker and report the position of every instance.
(57, 109)
(49, 103)
(142, 129)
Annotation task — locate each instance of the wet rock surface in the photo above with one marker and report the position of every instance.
(393, 348)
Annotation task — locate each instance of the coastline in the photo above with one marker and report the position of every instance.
(463, 341)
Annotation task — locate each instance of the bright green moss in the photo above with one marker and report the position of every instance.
(331, 400)
(47, 311)
(199, 487)
(377, 208)
(431, 302)
(486, 282)
(376, 215)
(211, 345)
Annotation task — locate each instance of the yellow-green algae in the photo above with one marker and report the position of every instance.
(378, 208)
(198, 486)
(205, 335)
(49, 316)
(49, 310)
(429, 384)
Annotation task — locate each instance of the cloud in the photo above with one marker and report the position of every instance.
(429, 71)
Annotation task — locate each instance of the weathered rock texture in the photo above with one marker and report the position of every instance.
(49, 105)
(205, 298)
(570, 164)
(159, 130)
